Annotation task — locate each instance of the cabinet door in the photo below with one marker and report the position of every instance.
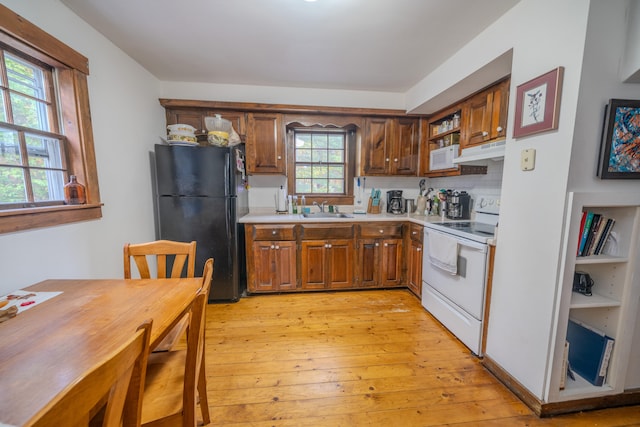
(478, 119)
(263, 267)
(340, 264)
(265, 144)
(405, 150)
(376, 155)
(499, 106)
(414, 268)
(274, 265)
(368, 271)
(313, 264)
(391, 265)
(193, 118)
(285, 266)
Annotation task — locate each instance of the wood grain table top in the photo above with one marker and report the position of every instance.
(49, 346)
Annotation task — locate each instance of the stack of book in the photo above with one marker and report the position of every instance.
(587, 353)
(595, 229)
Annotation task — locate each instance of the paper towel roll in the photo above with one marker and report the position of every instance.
(281, 200)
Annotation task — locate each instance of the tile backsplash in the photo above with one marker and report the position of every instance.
(262, 188)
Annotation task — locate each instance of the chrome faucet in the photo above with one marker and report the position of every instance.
(320, 205)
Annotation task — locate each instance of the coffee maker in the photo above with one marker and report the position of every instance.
(395, 204)
(458, 205)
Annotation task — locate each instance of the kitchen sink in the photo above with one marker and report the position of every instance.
(326, 215)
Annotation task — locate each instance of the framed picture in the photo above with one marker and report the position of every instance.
(620, 145)
(538, 104)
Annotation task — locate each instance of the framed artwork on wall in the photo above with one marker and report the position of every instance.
(620, 146)
(538, 104)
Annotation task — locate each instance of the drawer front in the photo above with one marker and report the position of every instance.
(327, 231)
(382, 229)
(274, 232)
(416, 232)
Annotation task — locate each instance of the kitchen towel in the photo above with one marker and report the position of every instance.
(443, 252)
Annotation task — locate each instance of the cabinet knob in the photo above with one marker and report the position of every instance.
(414, 232)
(395, 160)
(329, 246)
(273, 247)
(499, 129)
(418, 249)
(279, 157)
(381, 231)
(386, 244)
(274, 232)
(387, 159)
(377, 244)
(485, 133)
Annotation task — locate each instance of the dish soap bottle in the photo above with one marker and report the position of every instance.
(74, 192)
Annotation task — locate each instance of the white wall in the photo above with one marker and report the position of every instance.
(127, 120)
(544, 34)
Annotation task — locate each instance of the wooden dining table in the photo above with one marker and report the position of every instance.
(56, 342)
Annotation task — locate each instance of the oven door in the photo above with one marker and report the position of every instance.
(466, 289)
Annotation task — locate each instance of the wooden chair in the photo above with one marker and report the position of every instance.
(173, 377)
(182, 253)
(118, 379)
(161, 249)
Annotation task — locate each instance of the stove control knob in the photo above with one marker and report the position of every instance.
(483, 203)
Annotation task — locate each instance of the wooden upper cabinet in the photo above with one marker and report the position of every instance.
(485, 115)
(390, 146)
(376, 146)
(190, 117)
(405, 150)
(265, 144)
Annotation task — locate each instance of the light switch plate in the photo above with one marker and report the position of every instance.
(528, 159)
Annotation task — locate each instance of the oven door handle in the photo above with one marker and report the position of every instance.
(481, 247)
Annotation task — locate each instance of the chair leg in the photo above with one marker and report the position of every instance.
(202, 394)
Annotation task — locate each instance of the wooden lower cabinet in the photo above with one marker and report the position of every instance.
(414, 259)
(308, 257)
(327, 264)
(380, 257)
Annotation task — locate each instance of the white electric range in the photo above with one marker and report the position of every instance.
(454, 290)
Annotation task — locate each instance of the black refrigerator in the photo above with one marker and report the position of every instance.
(200, 194)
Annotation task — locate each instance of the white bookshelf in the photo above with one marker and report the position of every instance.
(613, 306)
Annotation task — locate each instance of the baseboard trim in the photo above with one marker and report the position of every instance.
(628, 398)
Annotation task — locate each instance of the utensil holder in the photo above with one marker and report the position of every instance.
(373, 209)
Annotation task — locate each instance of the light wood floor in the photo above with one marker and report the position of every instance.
(368, 358)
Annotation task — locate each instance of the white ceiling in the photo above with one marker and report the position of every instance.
(372, 45)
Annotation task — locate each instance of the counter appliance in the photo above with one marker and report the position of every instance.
(395, 203)
(454, 292)
(200, 195)
(458, 205)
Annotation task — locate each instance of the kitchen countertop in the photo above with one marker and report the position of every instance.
(269, 216)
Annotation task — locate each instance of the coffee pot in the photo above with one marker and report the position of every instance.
(395, 202)
(458, 205)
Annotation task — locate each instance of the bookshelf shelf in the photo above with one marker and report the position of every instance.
(593, 301)
(600, 259)
(581, 388)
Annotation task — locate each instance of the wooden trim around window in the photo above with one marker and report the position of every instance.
(72, 69)
(13, 220)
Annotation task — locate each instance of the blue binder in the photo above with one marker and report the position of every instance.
(589, 352)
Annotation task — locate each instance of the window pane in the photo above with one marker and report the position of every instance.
(336, 156)
(3, 108)
(45, 185)
(303, 171)
(336, 141)
(9, 148)
(319, 156)
(336, 172)
(303, 185)
(319, 171)
(303, 155)
(320, 140)
(44, 152)
(303, 140)
(13, 189)
(24, 77)
(320, 186)
(29, 112)
(336, 186)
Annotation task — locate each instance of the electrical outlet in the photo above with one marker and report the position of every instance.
(528, 159)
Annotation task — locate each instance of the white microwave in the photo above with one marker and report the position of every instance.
(442, 158)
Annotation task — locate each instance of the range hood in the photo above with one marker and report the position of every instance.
(480, 153)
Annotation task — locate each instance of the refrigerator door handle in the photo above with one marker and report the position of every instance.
(227, 175)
